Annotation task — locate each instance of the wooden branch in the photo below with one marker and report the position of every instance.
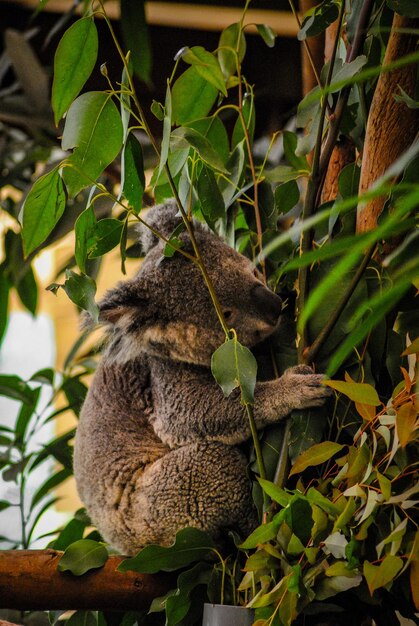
(29, 580)
(391, 125)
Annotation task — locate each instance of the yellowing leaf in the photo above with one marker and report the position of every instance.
(406, 422)
(358, 392)
(315, 455)
(413, 348)
(366, 411)
(380, 575)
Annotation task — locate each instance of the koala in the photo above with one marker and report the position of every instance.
(158, 445)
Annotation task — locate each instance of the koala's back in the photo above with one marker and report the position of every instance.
(114, 445)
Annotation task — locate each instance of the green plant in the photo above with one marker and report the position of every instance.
(344, 527)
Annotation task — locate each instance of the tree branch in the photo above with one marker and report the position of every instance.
(30, 580)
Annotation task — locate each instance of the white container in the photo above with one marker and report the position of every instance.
(225, 615)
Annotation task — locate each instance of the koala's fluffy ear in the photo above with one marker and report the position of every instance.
(163, 218)
(120, 304)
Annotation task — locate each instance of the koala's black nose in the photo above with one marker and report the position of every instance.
(267, 303)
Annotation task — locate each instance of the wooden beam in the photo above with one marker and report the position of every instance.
(30, 580)
(182, 15)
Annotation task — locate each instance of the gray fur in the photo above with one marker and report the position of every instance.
(156, 447)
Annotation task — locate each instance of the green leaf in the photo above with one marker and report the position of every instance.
(91, 118)
(132, 173)
(290, 146)
(231, 49)
(84, 229)
(287, 196)
(82, 556)
(233, 365)
(380, 575)
(358, 392)
(348, 181)
(167, 127)
(189, 546)
(27, 290)
(106, 235)
(42, 209)
(274, 492)
(315, 497)
(298, 516)
(317, 19)
(409, 8)
(328, 587)
(210, 197)
(74, 61)
(136, 37)
(14, 387)
(315, 455)
(71, 533)
(192, 97)
(4, 302)
(184, 136)
(178, 604)
(260, 535)
(207, 66)
(214, 130)
(267, 34)
(81, 290)
(347, 71)
(53, 481)
(4, 504)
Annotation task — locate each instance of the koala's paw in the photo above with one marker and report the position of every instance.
(305, 388)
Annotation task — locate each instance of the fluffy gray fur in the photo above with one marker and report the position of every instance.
(157, 445)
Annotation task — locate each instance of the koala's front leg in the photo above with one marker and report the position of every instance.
(298, 388)
(188, 405)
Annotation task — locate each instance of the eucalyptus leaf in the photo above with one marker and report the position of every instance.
(84, 229)
(210, 197)
(233, 365)
(82, 556)
(74, 61)
(190, 545)
(106, 235)
(132, 174)
(192, 97)
(207, 66)
(183, 136)
(381, 575)
(315, 455)
(231, 49)
(43, 207)
(90, 118)
(267, 34)
(81, 290)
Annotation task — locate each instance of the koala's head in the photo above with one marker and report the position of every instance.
(166, 309)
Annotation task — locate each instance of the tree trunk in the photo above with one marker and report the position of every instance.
(29, 580)
(391, 125)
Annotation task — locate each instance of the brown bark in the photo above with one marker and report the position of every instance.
(29, 580)
(344, 150)
(316, 45)
(391, 125)
(343, 154)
